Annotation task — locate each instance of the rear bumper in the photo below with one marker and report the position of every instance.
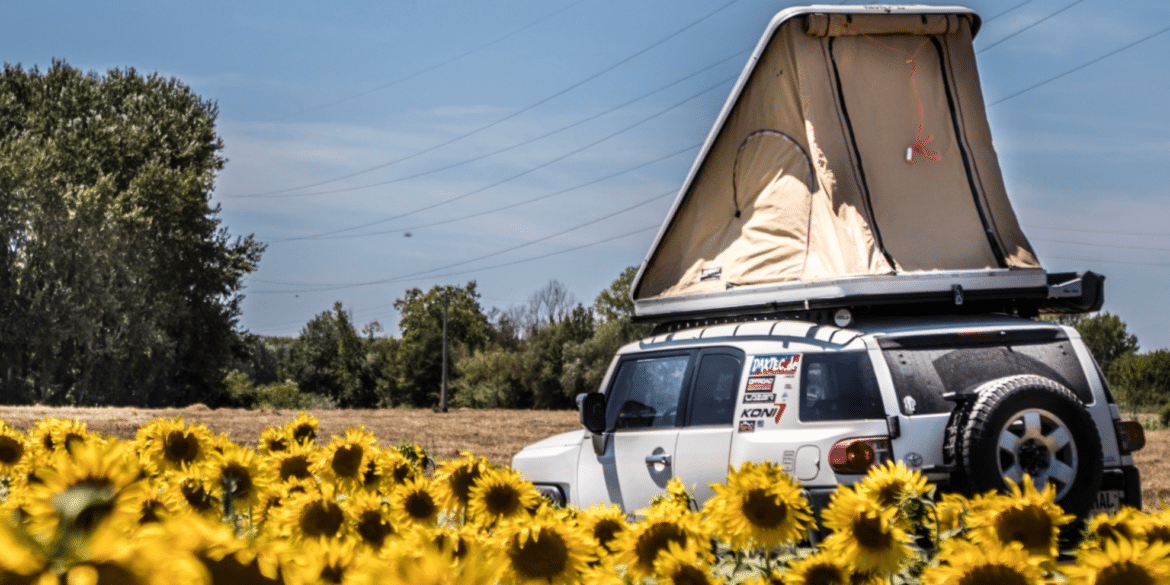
(1127, 479)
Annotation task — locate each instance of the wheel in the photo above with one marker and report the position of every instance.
(1030, 425)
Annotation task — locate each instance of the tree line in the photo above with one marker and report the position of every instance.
(540, 354)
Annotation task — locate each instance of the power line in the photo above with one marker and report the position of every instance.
(517, 175)
(496, 209)
(1030, 26)
(411, 75)
(509, 116)
(1093, 231)
(1012, 9)
(1103, 245)
(1079, 67)
(493, 153)
(460, 263)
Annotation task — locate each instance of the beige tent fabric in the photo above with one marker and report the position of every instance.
(817, 170)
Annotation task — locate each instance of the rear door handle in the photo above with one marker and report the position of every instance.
(663, 458)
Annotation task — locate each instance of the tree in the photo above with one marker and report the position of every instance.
(117, 282)
(1142, 380)
(616, 302)
(1107, 338)
(327, 359)
(420, 350)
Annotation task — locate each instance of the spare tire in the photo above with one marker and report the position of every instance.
(1029, 425)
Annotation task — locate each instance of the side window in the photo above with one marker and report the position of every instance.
(714, 393)
(646, 392)
(839, 386)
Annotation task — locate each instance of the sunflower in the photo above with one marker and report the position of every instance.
(865, 533)
(13, 447)
(950, 514)
(895, 485)
(1121, 562)
(222, 554)
(330, 562)
(965, 563)
(155, 504)
(604, 524)
(372, 519)
(302, 429)
(1127, 524)
(196, 492)
(396, 469)
(639, 546)
(20, 559)
(53, 434)
(273, 495)
(545, 551)
(415, 503)
(297, 462)
(1027, 516)
(676, 496)
(173, 446)
(501, 495)
(684, 566)
(314, 515)
(273, 441)
(820, 568)
(96, 484)
(145, 559)
(345, 460)
(455, 477)
(1157, 526)
(426, 566)
(760, 505)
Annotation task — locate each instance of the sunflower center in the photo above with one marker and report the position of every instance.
(825, 575)
(347, 461)
(304, 434)
(373, 528)
(237, 481)
(420, 505)
(321, 519)
(764, 510)
(277, 444)
(403, 472)
(10, 450)
(181, 446)
(606, 530)
(332, 574)
(543, 556)
(195, 495)
(690, 575)
(501, 500)
(870, 532)
(657, 538)
(993, 574)
(297, 467)
(1029, 526)
(1125, 573)
(461, 481)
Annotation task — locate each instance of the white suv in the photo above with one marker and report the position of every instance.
(967, 400)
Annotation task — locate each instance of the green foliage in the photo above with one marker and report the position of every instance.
(331, 360)
(242, 393)
(491, 378)
(1142, 381)
(117, 283)
(616, 302)
(420, 351)
(1107, 338)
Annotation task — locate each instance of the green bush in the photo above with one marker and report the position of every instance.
(243, 393)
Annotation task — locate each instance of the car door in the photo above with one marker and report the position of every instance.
(703, 447)
(670, 415)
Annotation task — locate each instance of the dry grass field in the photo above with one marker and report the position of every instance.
(495, 434)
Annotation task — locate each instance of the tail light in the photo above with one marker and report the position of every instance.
(1130, 436)
(857, 455)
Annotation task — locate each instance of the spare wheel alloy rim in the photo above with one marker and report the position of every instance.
(1038, 443)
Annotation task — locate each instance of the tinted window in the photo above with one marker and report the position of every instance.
(839, 386)
(646, 391)
(714, 393)
(922, 375)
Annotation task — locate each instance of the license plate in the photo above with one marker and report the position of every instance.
(1108, 501)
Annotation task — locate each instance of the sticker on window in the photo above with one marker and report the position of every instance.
(775, 365)
(757, 397)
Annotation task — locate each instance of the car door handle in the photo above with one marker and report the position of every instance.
(662, 458)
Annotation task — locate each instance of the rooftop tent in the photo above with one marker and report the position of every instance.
(853, 158)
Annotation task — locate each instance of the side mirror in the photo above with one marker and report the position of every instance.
(592, 407)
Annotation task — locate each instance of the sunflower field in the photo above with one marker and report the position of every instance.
(179, 505)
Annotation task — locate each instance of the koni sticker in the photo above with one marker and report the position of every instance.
(747, 426)
(780, 406)
(775, 365)
(754, 398)
(759, 412)
(761, 383)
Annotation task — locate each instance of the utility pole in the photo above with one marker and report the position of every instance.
(443, 389)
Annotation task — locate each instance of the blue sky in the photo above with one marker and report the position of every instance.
(520, 141)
